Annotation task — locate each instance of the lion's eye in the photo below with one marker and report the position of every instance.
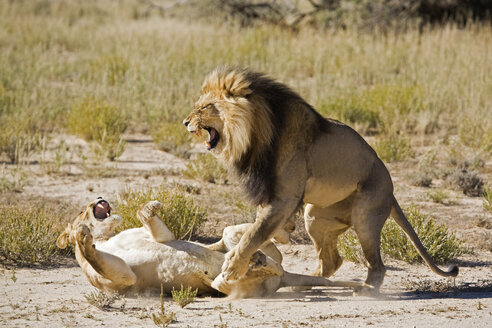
(205, 107)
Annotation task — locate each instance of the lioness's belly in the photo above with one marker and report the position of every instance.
(174, 263)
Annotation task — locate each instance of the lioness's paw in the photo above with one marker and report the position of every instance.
(148, 210)
(153, 206)
(84, 237)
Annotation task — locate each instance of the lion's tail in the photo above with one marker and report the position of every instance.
(399, 217)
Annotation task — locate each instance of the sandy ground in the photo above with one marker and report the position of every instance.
(412, 296)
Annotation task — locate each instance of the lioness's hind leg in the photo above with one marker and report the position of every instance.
(147, 214)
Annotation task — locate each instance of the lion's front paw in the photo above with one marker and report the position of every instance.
(234, 266)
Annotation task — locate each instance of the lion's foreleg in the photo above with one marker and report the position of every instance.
(268, 219)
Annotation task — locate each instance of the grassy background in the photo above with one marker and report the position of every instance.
(56, 54)
(62, 60)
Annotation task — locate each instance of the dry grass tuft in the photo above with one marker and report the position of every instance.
(179, 212)
(28, 235)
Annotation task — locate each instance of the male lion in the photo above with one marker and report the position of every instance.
(143, 258)
(285, 154)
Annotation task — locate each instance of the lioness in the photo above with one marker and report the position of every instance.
(285, 155)
(143, 258)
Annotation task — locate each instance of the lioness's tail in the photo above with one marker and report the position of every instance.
(295, 280)
(397, 214)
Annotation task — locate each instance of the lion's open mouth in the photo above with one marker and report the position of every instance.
(102, 210)
(213, 138)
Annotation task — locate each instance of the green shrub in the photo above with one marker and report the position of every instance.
(394, 148)
(438, 196)
(99, 123)
(178, 210)
(172, 138)
(205, 167)
(184, 296)
(441, 245)
(28, 235)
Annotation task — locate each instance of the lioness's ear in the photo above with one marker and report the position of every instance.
(62, 241)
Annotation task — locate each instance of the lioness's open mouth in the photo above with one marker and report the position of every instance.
(213, 138)
(102, 210)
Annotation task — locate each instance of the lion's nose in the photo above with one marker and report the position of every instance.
(186, 122)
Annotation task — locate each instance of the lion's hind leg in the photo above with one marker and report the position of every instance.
(147, 214)
(104, 270)
(324, 225)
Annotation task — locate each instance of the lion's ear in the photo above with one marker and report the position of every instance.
(227, 82)
(236, 84)
(62, 241)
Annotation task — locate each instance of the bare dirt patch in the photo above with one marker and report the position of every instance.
(411, 295)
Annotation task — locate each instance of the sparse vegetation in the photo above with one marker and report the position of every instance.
(184, 296)
(101, 299)
(441, 245)
(487, 199)
(205, 167)
(100, 123)
(172, 138)
(179, 212)
(28, 235)
(394, 148)
(467, 181)
(163, 319)
(12, 180)
(438, 196)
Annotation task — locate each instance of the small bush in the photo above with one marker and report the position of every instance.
(394, 148)
(173, 138)
(163, 319)
(184, 296)
(438, 196)
(487, 199)
(12, 180)
(205, 167)
(19, 136)
(420, 179)
(467, 181)
(477, 135)
(28, 235)
(441, 245)
(101, 299)
(178, 210)
(99, 123)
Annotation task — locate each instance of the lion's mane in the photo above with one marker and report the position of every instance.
(255, 108)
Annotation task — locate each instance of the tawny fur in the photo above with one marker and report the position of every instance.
(287, 155)
(141, 259)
